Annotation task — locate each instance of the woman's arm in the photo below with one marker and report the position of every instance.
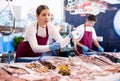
(95, 42)
(94, 37)
(63, 41)
(76, 42)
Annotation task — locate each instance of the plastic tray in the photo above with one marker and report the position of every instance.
(27, 59)
(91, 53)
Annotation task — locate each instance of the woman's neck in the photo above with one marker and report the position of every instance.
(42, 25)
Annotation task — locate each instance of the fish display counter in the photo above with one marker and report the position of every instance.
(55, 68)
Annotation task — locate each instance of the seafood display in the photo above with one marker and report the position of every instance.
(77, 68)
(15, 70)
(64, 70)
(4, 76)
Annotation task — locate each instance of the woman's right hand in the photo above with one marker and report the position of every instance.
(54, 46)
(85, 48)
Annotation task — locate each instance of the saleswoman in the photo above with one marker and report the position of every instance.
(86, 35)
(37, 35)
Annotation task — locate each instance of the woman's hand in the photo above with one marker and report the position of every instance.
(70, 35)
(54, 46)
(100, 49)
(85, 48)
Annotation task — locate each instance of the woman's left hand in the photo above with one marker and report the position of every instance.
(100, 49)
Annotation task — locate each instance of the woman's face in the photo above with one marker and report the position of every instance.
(44, 17)
(90, 23)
